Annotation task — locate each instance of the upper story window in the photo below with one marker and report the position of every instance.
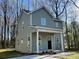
(57, 24)
(43, 21)
(22, 22)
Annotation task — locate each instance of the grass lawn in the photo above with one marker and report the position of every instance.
(9, 53)
(74, 55)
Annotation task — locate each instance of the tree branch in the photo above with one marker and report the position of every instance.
(63, 8)
(74, 4)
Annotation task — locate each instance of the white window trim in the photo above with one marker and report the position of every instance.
(43, 21)
(57, 24)
(30, 19)
(40, 41)
(22, 22)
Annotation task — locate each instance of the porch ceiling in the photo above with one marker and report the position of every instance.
(49, 31)
(46, 29)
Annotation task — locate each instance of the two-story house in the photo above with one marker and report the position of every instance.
(38, 31)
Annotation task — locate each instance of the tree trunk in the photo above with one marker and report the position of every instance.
(67, 37)
(5, 29)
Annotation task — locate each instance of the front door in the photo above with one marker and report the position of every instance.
(49, 44)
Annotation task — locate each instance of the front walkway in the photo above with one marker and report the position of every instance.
(35, 57)
(43, 56)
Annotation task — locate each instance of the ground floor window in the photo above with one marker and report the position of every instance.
(28, 41)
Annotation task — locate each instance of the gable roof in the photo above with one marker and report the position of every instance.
(46, 9)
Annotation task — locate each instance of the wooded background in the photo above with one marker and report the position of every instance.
(66, 10)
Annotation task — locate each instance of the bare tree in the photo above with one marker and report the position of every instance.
(66, 28)
(4, 9)
(74, 3)
(58, 6)
(10, 12)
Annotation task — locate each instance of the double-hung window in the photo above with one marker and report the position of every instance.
(43, 21)
(57, 24)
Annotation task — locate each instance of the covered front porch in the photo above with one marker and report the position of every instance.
(44, 40)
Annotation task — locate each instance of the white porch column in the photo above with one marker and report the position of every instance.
(62, 42)
(37, 41)
(52, 37)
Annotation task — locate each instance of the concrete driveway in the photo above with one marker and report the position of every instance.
(35, 57)
(43, 56)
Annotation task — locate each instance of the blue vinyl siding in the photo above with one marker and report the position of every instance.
(41, 13)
